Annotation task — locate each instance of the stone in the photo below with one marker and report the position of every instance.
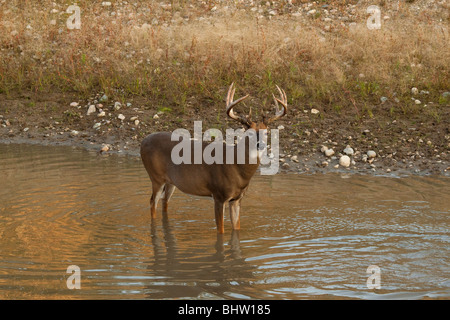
(121, 117)
(383, 99)
(414, 90)
(314, 111)
(104, 98)
(91, 110)
(349, 151)
(101, 114)
(371, 154)
(323, 149)
(117, 105)
(329, 152)
(344, 161)
(96, 126)
(74, 104)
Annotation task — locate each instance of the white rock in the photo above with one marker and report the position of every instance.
(280, 127)
(91, 110)
(105, 148)
(74, 133)
(294, 158)
(414, 90)
(106, 3)
(416, 101)
(344, 161)
(371, 154)
(329, 152)
(121, 117)
(311, 12)
(314, 111)
(133, 118)
(349, 151)
(117, 105)
(155, 116)
(323, 149)
(101, 114)
(74, 104)
(96, 125)
(136, 122)
(26, 129)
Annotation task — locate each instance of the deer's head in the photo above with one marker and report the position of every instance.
(247, 121)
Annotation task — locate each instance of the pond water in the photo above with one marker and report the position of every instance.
(301, 237)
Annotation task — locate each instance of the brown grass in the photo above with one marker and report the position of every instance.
(172, 60)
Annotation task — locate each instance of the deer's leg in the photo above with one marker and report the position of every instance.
(235, 207)
(168, 191)
(156, 194)
(219, 207)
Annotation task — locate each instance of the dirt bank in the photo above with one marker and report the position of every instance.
(417, 144)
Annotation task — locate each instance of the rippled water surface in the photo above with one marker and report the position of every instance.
(301, 237)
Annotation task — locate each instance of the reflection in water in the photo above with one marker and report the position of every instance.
(301, 236)
(206, 276)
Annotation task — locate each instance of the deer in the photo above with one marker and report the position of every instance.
(225, 183)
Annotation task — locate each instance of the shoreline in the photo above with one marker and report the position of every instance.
(311, 164)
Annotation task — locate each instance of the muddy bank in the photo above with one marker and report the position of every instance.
(412, 144)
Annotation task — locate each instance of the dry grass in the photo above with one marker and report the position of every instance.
(175, 54)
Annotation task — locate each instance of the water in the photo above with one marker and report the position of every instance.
(301, 237)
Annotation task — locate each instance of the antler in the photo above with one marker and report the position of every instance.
(279, 113)
(231, 104)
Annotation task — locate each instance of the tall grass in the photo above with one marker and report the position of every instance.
(173, 53)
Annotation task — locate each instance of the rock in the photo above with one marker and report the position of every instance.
(294, 158)
(414, 90)
(324, 164)
(74, 133)
(280, 127)
(74, 104)
(117, 105)
(371, 154)
(416, 101)
(91, 110)
(349, 151)
(26, 129)
(383, 99)
(310, 12)
(285, 165)
(344, 161)
(136, 122)
(104, 98)
(155, 116)
(96, 126)
(105, 148)
(101, 114)
(121, 117)
(133, 118)
(446, 94)
(314, 111)
(329, 152)
(323, 149)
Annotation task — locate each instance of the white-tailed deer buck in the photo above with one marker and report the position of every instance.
(225, 182)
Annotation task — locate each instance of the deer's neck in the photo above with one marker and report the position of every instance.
(248, 169)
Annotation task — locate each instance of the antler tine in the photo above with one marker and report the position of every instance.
(231, 104)
(279, 112)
